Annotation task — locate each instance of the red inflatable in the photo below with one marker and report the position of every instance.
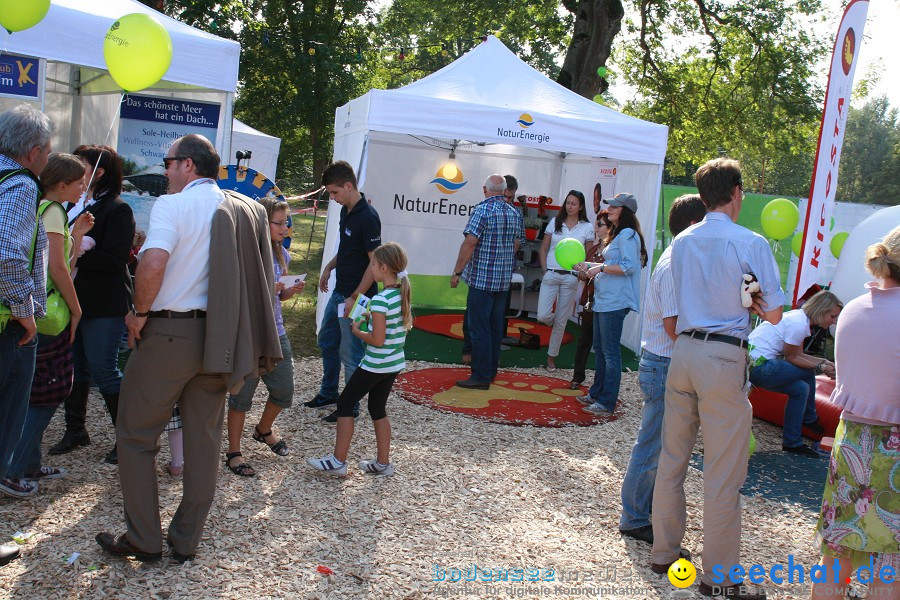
(769, 406)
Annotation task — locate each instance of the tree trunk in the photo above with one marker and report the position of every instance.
(596, 24)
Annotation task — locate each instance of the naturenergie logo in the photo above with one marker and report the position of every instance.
(525, 121)
(449, 179)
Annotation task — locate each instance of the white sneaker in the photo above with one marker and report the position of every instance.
(596, 409)
(46, 473)
(329, 464)
(586, 400)
(371, 467)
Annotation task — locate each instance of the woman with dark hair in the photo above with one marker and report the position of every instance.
(559, 286)
(597, 196)
(586, 315)
(617, 283)
(104, 291)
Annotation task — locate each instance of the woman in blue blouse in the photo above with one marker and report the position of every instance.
(617, 285)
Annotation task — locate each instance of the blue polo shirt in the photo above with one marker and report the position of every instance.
(360, 233)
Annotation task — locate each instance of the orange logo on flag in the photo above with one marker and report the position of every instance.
(848, 49)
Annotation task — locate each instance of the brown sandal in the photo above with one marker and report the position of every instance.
(243, 469)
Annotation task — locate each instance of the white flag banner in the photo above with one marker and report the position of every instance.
(816, 226)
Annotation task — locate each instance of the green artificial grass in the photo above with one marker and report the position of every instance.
(431, 347)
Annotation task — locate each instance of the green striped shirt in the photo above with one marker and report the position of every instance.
(389, 357)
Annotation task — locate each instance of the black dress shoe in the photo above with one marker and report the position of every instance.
(642, 534)
(739, 592)
(471, 384)
(112, 457)
(815, 427)
(118, 545)
(70, 441)
(8, 553)
(319, 401)
(803, 450)
(663, 568)
(177, 556)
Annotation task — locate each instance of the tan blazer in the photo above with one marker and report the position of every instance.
(241, 338)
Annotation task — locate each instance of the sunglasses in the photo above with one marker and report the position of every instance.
(170, 159)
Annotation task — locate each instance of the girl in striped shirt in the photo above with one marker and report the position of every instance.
(388, 319)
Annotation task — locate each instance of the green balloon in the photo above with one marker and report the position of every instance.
(601, 71)
(598, 99)
(138, 51)
(837, 243)
(796, 243)
(752, 443)
(779, 218)
(832, 225)
(569, 252)
(16, 15)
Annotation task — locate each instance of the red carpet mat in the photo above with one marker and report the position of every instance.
(450, 325)
(514, 398)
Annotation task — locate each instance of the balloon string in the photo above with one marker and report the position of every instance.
(113, 122)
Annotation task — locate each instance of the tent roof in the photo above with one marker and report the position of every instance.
(490, 95)
(73, 32)
(241, 127)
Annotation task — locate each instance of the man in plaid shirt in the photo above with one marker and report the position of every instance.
(24, 144)
(486, 262)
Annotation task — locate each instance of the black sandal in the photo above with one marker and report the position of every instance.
(280, 447)
(243, 469)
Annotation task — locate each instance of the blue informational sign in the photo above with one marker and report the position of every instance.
(149, 125)
(19, 76)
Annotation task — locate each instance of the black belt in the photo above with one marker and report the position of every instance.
(715, 337)
(171, 314)
(562, 272)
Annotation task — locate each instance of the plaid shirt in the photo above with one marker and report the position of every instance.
(497, 225)
(23, 292)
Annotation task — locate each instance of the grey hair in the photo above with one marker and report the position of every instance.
(21, 129)
(495, 183)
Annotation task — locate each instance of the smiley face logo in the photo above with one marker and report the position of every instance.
(682, 573)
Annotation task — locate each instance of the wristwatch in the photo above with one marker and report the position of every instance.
(458, 274)
(139, 314)
(820, 368)
(602, 267)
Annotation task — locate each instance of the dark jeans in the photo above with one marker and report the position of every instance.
(16, 373)
(484, 312)
(467, 341)
(96, 352)
(27, 458)
(583, 349)
(339, 347)
(608, 369)
(799, 384)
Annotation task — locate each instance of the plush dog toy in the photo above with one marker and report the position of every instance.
(749, 285)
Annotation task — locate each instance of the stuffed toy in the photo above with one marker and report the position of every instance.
(749, 285)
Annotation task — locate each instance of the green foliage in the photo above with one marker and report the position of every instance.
(870, 158)
(737, 81)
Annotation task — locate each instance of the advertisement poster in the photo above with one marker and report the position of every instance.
(148, 127)
(20, 77)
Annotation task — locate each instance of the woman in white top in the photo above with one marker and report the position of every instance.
(558, 285)
(778, 363)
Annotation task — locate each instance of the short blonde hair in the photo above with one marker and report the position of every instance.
(819, 305)
(883, 258)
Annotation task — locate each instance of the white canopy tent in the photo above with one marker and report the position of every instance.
(264, 147)
(82, 98)
(498, 115)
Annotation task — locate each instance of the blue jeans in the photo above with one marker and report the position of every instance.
(799, 384)
(27, 458)
(504, 326)
(608, 369)
(637, 487)
(338, 346)
(485, 311)
(16, 374)
(96, 352)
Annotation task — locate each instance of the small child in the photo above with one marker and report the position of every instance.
(389, 320)
(280, 381)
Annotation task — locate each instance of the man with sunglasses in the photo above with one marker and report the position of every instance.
(198, 241)
(707, 380)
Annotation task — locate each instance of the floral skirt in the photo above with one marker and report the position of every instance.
(861, 504)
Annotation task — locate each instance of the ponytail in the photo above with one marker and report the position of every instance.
(393, 256)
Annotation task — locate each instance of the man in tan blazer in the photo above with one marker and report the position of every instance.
(167, 329)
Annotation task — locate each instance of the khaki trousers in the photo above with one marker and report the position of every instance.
(706, 387)
(167, 368)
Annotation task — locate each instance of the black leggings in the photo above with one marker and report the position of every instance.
(376, 385)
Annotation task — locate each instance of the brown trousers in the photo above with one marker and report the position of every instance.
(167, 368)
(706, 387)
